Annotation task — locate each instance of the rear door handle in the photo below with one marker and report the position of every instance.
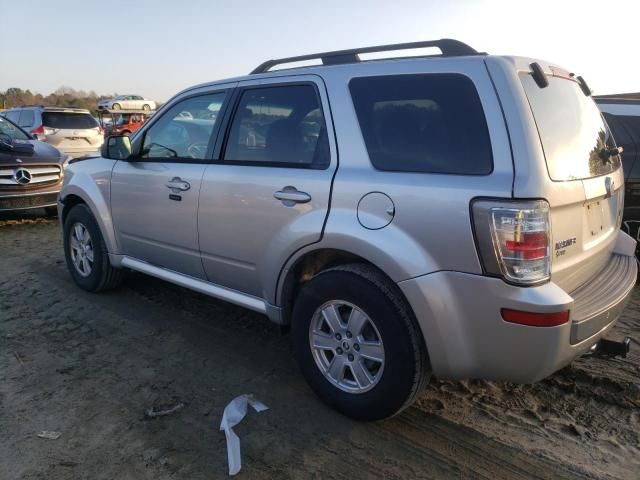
(178, 185)
(290, 196)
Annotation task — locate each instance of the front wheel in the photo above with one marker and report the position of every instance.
(86, 253)
(146, 107)
(115, 106)
(357, 342)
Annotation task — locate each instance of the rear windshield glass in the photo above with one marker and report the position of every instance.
(426, 123)
(69, 120)
(573, 134)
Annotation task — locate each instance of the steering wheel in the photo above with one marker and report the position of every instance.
(197, 149)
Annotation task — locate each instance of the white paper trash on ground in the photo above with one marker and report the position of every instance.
(233, 414)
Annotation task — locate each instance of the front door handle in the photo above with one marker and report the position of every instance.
(176, 184)
(290, 196)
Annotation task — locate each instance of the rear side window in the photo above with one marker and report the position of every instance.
(68, 120)
(26, 119)
(279, 126)
(425, 123)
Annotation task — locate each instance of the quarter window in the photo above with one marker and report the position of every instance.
(279, 126)
(184, 131)
(26, 118)
(426, 123)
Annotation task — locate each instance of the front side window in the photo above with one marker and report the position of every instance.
(184, 131)
(425, 123)
(13, 116)
(279, 126)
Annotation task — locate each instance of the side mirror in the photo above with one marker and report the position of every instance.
(117, 147)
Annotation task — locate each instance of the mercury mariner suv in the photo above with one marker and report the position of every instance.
(454, 215)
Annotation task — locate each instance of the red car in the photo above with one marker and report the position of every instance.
(127, 123)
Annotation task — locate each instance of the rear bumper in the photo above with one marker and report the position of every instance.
(466, 337)
(26, 201)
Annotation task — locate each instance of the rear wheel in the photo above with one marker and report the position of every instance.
(357, 342)
(86, 253)
(115, 106)
(146, 107)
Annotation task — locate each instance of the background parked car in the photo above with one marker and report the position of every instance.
(127, 102)
(72, 130)
(122, 124)
(622, 113)
(31, 172)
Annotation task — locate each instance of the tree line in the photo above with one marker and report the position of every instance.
(62, 97)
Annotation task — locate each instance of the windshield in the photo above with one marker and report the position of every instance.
(68, 120)
(574, 136)
(9, 129)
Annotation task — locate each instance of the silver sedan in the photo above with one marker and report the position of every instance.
(127, 102)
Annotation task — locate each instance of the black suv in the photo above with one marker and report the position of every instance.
(31, 172)
(622, 113)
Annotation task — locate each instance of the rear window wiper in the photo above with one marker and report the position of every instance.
(607, 152)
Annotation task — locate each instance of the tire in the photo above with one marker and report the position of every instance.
(51, 211)
(146, 107)
(100, 275)
(115, 106)
(404, 369)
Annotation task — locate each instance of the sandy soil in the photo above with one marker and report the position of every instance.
(88, 366)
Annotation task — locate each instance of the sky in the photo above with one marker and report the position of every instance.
(156, 48)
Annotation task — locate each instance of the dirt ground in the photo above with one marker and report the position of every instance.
(88, 366)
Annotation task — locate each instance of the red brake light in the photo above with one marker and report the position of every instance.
(40, 130)
(532, 245)
(532, 319)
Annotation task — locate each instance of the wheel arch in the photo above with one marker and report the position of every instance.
(304, 266)
(95, 201)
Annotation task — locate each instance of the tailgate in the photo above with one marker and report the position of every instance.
(584, 182)
(69, 130)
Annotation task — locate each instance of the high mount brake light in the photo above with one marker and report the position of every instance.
(514, 239)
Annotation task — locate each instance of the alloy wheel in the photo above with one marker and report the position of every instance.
(346, 346)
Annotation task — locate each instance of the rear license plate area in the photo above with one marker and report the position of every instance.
(595, 218)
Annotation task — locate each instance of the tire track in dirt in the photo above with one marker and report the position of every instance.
(93, 363)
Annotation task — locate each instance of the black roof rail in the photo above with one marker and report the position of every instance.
(448, 47)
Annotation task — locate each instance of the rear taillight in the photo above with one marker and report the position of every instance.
(514, 239)
(42, 130)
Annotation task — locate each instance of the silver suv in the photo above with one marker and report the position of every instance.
(71, 130)
(455, 215)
